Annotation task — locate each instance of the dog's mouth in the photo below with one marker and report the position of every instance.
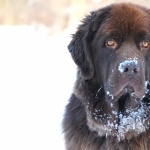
(128, 98)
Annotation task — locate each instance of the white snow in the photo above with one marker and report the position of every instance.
(96, 96)
(146, 83)
(134, 121)
(110, 95)
(36, 80)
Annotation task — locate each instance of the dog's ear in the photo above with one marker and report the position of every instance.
(80, 46)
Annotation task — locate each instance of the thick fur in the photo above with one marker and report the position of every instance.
(109, 107)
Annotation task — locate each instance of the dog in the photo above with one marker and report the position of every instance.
(110, 105)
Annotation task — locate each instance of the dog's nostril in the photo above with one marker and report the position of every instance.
(135, 70)
(126, 69)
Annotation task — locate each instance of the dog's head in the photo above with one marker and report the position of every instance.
(112, 51)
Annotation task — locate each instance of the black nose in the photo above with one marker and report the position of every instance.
(129, 67)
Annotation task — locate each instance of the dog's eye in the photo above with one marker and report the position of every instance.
(145, 44)
(111, 43)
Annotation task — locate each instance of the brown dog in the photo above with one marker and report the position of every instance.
(110, 106)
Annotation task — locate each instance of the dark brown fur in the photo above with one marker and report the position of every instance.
(110, 85)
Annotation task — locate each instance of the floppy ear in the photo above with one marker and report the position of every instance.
(80, 46)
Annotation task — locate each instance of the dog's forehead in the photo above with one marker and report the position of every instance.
(128, 19)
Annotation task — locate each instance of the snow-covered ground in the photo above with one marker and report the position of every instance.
(36, 80)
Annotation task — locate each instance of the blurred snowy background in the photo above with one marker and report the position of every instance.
(36, 71)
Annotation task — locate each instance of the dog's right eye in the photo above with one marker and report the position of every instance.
(111, 43)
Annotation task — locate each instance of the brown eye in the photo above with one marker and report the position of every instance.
(145, 44)
(111, 43)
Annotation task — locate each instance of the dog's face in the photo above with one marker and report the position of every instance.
(122, 45)
(112, 50)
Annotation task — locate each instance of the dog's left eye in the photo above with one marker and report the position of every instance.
(145, 44)
(111, 43)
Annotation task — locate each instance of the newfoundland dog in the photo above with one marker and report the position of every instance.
(110, 105)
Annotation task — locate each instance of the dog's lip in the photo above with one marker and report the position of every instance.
(132, 90)
(128, 88)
